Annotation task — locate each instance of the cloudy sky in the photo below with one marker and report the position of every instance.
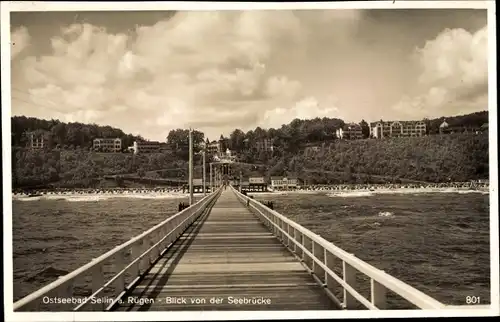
(150, 72)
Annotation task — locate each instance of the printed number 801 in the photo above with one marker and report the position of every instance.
(472, 300)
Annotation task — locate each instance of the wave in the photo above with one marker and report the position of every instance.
(46, 273)
(292, 192)
(270, 193)
(351, 194)
(26, 198)
(386, 214)
(369, 193)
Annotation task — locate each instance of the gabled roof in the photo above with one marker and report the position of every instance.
(444, 124)
(351, 125)
(389, 123)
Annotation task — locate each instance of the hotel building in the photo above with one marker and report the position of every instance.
(264, 145)
(37, 140)
(148, 147)
(284, 183)
(350, 131)
(382, 129)
(107, 144)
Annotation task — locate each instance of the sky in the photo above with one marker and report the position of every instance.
(153, 71)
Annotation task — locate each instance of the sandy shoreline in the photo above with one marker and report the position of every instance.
(333, 191)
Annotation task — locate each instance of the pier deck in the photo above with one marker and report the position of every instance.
(227, 256)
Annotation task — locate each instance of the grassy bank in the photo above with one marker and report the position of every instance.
(438, 158)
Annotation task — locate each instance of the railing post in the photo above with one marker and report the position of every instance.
(119, 284)
(152, 253)
(175, 231)
(279, 224)
(302, 242)
(98, 282)
(162, 234)
(295, 239)
(156, 251)
(329, 281)
(134, 254)
(66, 292)
(378, 294)
(318, 252)
(350, 278)
(288, 234)
(170, 237)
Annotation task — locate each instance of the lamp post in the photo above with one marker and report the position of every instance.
(211, 185)
(204, 172)
(190, 166)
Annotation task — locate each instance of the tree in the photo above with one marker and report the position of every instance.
(365, 129)
(430, 158)
(236, 140)
(178, 139)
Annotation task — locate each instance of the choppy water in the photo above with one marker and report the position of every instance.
(57, 234)
(436, 242)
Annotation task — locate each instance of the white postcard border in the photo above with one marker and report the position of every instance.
(12, 6)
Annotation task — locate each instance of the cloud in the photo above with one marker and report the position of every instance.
(185, 71)
(221, 70)
(306, 108)
(454, 75)
(19, 40)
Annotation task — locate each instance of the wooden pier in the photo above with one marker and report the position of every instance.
(226, 252)
(226, 258)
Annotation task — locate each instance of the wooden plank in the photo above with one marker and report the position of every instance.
(227, 260)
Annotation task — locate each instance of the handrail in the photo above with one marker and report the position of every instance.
(147, 244)
(319, 255)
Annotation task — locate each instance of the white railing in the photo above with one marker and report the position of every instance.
(132, 258)
(322, 258)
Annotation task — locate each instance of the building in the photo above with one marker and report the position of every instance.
(257, 184)
(164, 147)
(107, 144)
(264, 145)
(216, 147)
(227, 156)
(383, 129)
(284, 183)
(443, 128)
(256, 180)
(350, 131)
(37, 140)
(147, 147)
(223, 144)
(213, 147)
